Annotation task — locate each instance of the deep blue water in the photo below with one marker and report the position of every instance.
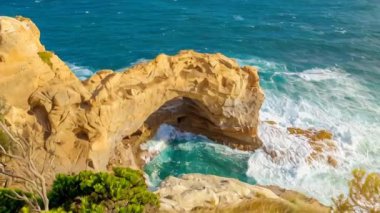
(301, 34)
(319, 64)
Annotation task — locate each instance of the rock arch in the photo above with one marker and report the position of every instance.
(209, 92)
(203, 93)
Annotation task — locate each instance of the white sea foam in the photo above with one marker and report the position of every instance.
(319, 74)
(238, 18)
(81, 71)
(263, 65)
(164, 135)
(321, 98)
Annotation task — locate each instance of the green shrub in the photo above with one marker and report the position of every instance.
(45, 57)
(123, 191)
(7, 203)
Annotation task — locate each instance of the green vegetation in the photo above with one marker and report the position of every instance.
(45, 57)
(123, 191)
(364, 194)
(7, 202)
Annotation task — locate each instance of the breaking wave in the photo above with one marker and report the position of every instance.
(172, 152)
(81, 71)
(320, 98)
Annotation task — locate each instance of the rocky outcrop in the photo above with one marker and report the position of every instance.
(100, 122)
(208, 193)
(83, 122)
(321, 143)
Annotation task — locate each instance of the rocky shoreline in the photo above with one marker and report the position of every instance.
(209, 193)
(208, 94)
(101, 122)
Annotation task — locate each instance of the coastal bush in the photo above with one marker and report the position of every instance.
(8, 204)
(363, 196)
(46, 57)
(123, 191)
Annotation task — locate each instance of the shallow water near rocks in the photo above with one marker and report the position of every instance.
(181, 153)
(319, 64)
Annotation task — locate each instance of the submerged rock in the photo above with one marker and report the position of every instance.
(321, 143)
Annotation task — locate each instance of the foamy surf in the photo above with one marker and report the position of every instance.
(320, 98)
(319, 74)
(175, 153)
(81, 71)
(161, 140)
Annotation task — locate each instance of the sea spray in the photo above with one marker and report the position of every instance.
(81, 71)
(319, 98)
(189, 153)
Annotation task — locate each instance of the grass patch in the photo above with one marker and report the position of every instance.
(46, 57)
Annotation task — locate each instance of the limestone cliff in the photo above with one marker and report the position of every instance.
(101, 121)
(83, 122)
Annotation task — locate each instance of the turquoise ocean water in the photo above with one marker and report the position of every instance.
(319, 64)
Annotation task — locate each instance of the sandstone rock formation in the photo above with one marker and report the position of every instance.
(208, 193)
(83, 122)
(101, 121)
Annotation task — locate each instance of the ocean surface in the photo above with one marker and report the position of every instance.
(319, 64)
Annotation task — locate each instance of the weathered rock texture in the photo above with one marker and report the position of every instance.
(208, 193)
(101, 121)
(83, 122)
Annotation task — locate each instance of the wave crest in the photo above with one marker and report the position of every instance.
(321, 98)
(81, 71)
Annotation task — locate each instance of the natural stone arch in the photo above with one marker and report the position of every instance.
(227, 98)
(219, 98)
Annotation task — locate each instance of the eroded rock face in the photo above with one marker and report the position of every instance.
(208, 193)
(83, 122)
